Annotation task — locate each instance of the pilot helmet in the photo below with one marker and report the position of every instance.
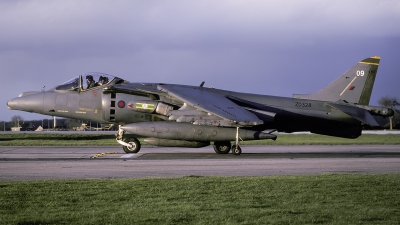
(101, 80)
(89, 77)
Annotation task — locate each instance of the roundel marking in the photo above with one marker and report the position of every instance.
(121, 104)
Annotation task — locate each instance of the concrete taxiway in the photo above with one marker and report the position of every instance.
(37, 163)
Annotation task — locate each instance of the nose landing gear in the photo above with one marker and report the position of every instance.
(129, 145)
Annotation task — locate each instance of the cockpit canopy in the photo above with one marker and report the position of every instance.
(88, 81)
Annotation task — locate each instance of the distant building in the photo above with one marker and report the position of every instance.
(15, 128)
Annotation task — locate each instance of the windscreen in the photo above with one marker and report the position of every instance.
(71, 85)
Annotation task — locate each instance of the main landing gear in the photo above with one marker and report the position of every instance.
(224, 147)
(130, 144)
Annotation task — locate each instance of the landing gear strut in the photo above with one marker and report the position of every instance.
(130, 144)
(236, 150)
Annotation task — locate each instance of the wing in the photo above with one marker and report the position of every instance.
(214, 103)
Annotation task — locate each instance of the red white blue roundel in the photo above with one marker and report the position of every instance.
(121, 104)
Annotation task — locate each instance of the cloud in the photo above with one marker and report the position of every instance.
(182, 24)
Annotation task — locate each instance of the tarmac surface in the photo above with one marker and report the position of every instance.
(40, 163)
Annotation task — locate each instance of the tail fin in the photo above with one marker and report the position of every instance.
(354, 86)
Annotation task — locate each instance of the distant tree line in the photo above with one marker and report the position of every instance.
(393, 103)
(46, 124)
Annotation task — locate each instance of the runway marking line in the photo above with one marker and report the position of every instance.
(128, 156)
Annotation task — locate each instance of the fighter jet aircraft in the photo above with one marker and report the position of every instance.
(194, 116)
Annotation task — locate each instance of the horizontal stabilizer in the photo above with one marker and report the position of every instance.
(357, 113)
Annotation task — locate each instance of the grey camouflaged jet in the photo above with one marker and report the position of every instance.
(194, 116)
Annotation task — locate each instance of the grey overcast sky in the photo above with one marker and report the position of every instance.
(268, 47)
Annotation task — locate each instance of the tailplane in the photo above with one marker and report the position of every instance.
(354, 86)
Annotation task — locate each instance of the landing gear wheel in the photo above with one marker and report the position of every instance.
(222, 147)
(135, 145)
(236, 151)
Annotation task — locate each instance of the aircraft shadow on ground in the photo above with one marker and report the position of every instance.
(151, 156)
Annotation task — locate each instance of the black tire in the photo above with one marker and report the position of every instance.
(135, 145)
(236, 151)
(222, 147)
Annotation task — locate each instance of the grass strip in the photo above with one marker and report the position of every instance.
(305, 199)
(42, 139)
(316, 139)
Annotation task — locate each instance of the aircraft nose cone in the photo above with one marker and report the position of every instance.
(29, 103)
(9, 104)
(12, 104)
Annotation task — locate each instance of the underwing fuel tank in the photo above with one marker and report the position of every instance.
(190, 132)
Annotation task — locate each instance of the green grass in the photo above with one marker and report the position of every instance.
(315, 139)
(43, 139)
(307, 199)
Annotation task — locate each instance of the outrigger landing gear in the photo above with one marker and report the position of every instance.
(130, 144)
(236, 150)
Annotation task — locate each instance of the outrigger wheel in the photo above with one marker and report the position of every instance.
(236, 150)
(134, 145)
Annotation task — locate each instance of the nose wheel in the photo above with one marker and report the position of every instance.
(129, 145)
(134, 145)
